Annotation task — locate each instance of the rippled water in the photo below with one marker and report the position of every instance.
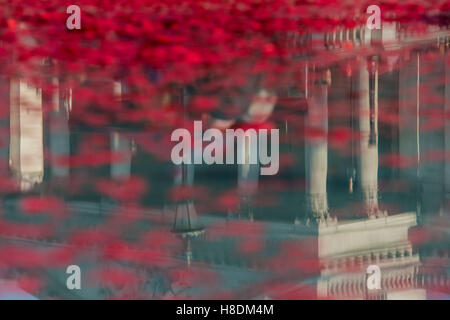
(364, 179)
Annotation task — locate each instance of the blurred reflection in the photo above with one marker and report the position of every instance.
(126, 200)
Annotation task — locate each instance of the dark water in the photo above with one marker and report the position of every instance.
(364, 179)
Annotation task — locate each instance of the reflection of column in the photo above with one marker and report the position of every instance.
(316, 153)
(184, 174)
(59, 131)
(409, 85)
(4, 124)
(121, 169)
(259, 110)
(447, 130)
(26, 141)
(248, 173)
(432, 135)
(120, 144)
(248, 176)
(368, 144)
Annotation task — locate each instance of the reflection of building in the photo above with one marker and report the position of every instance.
(345, 245)
(346, 248)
